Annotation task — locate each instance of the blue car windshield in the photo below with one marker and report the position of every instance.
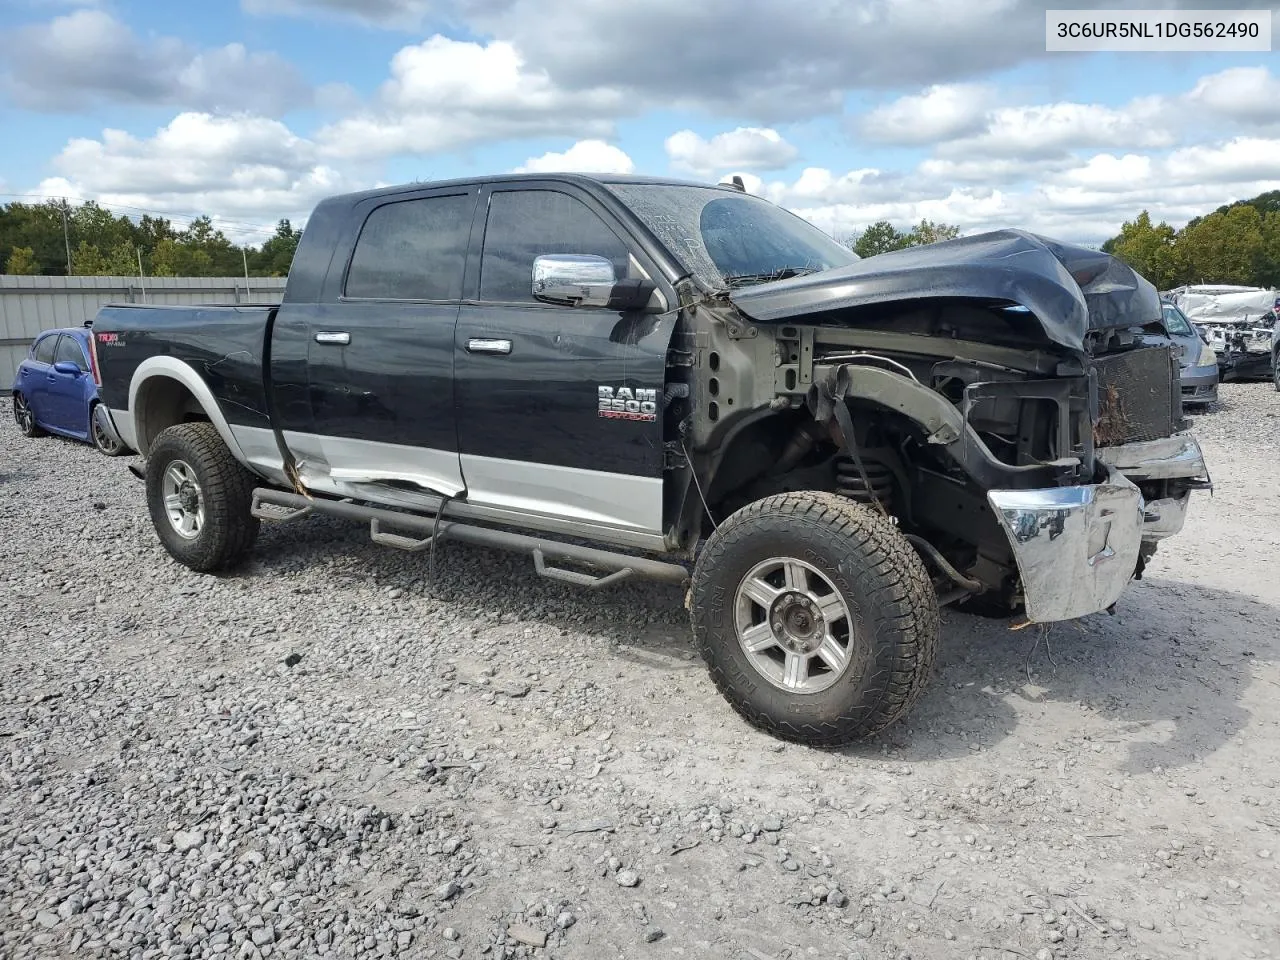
(730, 239)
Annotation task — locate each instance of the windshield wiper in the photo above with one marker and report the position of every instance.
(783, 273)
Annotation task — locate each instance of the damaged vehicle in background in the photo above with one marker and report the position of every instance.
(1237, 322)
(1197, 362)
(707, 388)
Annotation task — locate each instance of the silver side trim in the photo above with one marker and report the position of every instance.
(551, 515)
(360, 461)
(571, 493)
(175, 369)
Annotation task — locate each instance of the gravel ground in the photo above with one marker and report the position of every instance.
(326, 755)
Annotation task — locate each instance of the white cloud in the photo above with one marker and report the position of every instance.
(585, 156)
(1048, 130)
(941, 112)
(446, 93)
(746, 148)
(1242, 93)
(87, 57)
(247, 170)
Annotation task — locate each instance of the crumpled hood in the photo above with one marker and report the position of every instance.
(1070, 289)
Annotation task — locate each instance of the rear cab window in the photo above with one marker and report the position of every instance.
(412, 250)
(524, 224)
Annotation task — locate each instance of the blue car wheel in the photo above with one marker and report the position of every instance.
(25, 419)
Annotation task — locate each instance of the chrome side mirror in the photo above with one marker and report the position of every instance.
(575, 279)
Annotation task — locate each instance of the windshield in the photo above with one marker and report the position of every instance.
(1176, 322)
(729, 239)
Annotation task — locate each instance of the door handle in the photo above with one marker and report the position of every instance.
(333, 337)
(483, 345)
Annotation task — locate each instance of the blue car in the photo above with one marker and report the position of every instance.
(56, 390)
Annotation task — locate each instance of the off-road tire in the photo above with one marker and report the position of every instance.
(1275, 371)
(893, 606)
(228, 530)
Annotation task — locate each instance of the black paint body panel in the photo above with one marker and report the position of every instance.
(1070, 290)
(222, 344)
(540, 403)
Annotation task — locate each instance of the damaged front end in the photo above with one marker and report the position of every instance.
(1243, 347)
(1006, 399)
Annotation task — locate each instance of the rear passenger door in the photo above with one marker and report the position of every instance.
(35, 374)
(529, 374)
(380, 359)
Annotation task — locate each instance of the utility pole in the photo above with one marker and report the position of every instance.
(141, 281)
(245, 257)
(66, 237)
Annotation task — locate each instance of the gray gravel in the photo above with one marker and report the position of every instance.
(324, 755)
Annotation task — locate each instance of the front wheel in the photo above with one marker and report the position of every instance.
(199, 497)
(1275, 371)
(816, 617)
(25, 418)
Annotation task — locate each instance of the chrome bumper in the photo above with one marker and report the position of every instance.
(1173, 458)
(1076, 547)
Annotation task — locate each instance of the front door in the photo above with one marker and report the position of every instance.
(530, 377)
(380, 359)
(66, 404)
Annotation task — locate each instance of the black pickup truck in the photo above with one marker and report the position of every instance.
(636, 377)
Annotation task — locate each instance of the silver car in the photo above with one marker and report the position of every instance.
(1198, 361)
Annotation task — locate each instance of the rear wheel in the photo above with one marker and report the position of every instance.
(1275, 371)
(106, 444)
(199, 498)
(816, 617)
(25, 419)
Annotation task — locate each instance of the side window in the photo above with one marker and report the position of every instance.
(45, 348)
(524, 224)
(69, 349)
(412, 250)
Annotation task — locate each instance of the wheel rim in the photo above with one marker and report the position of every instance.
(101, 437)
(793, 625)
(183, 500)
(22, 413)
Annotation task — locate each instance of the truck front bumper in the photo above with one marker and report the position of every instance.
(1174, 465)
(1076, 547)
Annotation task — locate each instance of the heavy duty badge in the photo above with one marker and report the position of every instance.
(624, 403)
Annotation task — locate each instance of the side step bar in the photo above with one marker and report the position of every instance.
(279, 505)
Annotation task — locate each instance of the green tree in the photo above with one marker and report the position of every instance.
(276, 255)
(1224, 247)
(174, 259)
(121, 260)
(22, 262)
(1152, 250)
(87, 260)
(881, 237)
(926, 231)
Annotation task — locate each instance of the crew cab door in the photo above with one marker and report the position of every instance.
(529, 375)
(380, 358)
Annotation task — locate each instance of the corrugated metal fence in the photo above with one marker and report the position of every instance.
(31, 304)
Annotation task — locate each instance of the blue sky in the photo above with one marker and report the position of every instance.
(847, 112)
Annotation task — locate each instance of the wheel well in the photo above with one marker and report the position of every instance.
(163, 402)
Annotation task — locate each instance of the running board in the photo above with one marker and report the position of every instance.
(279, 505)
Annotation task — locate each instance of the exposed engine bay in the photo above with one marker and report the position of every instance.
(922, 408)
